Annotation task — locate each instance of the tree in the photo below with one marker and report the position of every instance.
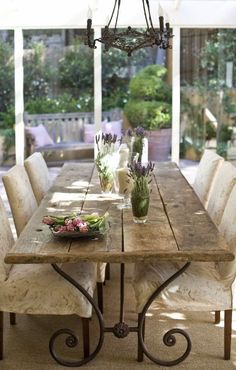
(6, 76)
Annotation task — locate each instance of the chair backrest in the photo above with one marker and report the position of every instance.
(227, 228)
(20, 196)
(37, 171)
(208, 167)
(223, 184)
(6, 242)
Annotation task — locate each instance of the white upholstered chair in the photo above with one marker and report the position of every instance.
(20, 196)
(224, 182)
(207, 170)
(23, 204)
(203, 286)
(38, 289)
(38, 174)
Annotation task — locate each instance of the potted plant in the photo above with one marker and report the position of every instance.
(149, 106)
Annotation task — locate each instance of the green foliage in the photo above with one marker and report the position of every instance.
(61, 104)
(218, 50)
(6, 76)
(194, 135)
(149, 84)
(150, 96)
(9, 141)
(7, 119)
(36, 73)
(222, 149)
(210, 131)
(148, 114)
(225, 134)
(76, 69)
(117, 69)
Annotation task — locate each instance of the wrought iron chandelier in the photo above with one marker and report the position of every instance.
(131, 39)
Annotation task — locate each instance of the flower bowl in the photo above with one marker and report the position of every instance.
(77, 226)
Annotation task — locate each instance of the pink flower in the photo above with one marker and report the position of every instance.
(70, 227)
(77, 221)
(60, 229)
(83, 227)
(48, 220)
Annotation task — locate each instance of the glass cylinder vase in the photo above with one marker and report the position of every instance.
(106, 183)
(140, 203)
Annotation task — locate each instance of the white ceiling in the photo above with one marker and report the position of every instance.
(73, 13)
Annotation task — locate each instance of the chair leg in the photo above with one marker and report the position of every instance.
(108, 272)
(217, 317)
(12, 318)
(100, 296)
(1, 335)
(140, 351)
(227, 334)
(86, 339)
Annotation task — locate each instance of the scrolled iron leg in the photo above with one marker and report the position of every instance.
(169, 338)
(12, 318)
(217, 317)
(71, 339)
(227, 334)
(1, 334)
(100, 296)
(140, 351)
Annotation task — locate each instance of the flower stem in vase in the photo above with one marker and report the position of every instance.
(140, 194)
(106, 183)
(140, 203)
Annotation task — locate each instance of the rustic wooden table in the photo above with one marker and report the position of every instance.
(178, 229)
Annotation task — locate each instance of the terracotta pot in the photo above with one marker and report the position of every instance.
(159, 144)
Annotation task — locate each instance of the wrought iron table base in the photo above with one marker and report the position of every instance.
(120, 329)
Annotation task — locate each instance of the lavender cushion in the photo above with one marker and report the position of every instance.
(40, 135)
(89, 132)
(112, 127)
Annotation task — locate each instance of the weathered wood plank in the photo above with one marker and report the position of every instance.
(153, 235)
(117, 256)
(191, 224)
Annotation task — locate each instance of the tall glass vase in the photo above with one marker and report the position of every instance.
(106, 183)
(140, 197)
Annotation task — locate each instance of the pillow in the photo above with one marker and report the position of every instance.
(112, 127)
(89, 132)
(40, 135)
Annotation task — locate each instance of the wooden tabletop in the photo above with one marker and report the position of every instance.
(178, 227)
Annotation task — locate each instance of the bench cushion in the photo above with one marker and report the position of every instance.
(40, 136)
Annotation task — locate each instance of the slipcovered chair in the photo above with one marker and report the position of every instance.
(225, 180)
(208, 167)
(23, 204)
(203, 286)
(20, 196)
(38, 174)
(38, 289)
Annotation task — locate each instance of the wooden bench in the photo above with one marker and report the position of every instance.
(67, 133)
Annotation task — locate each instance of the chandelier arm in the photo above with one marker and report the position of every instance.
(114, 7)
(130, 39)
(149, 14)
(117, 15)
(145, 14)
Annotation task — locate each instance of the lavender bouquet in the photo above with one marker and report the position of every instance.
(106, 160)
(134, 138)
(141, 176)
